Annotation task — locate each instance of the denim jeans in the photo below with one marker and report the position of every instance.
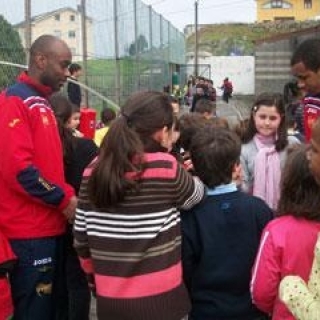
(34, 278)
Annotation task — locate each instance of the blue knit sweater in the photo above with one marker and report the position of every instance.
(220, 240)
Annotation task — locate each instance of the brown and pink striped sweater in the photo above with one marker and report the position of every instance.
(134, 249)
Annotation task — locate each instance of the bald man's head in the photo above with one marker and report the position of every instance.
(49, 61)
(46, 44)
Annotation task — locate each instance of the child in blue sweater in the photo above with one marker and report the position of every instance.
(221, 235)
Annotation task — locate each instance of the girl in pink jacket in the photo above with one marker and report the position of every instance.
(287, 243)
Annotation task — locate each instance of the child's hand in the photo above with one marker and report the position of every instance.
(188, 165)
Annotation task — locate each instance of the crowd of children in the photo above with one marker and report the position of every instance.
(179, 215)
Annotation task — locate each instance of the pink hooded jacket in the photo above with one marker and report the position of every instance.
(286, 248)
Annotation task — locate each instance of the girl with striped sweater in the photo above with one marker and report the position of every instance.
(127, 227)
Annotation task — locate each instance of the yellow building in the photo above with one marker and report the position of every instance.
(275, 10)
(64, 23)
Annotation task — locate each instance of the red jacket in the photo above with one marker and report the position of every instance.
(7, 259)
(286, 248)
(311, 112)
(32, 187)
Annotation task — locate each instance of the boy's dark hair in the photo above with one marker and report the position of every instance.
(269, 100)
(189, 124)
(107, 115)
(74, 67)
(299, 195)
(202, 86)
(122, 150)
(308, 53)
(205, 105)
(214, 152)
(241, 128)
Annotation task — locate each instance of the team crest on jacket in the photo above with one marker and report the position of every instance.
(14, 122)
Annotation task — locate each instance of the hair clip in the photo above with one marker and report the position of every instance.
(255, 108)
(126, 118)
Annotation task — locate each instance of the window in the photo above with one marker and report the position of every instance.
(71, 34)
(57, 33)
(307, 4)
(72, 17)
(277, 4)
(57, 17)
(73, 51)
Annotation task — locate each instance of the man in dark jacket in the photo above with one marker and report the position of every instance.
(74, 91)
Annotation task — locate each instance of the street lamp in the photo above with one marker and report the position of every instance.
(196, 38)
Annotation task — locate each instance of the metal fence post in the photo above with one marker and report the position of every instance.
(116, 43)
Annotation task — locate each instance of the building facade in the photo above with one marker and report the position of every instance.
(281, 10)
(64, 23)
(272, 59)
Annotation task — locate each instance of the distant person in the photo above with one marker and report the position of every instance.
(221, 235)
(73, 89)
(127, 227)
(211, 91)
(305, 65)
(200, 93)
(227, 90)
(107, 115)
(74, 121)
(291, 121)
(290, 91)
(175, 105)
(36, 202)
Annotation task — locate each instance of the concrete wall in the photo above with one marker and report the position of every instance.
(239, 69)
(272, 66)
(272, 60)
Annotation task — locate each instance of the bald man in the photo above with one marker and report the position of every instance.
(36, 202)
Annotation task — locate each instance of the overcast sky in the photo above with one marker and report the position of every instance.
(182, 12)
(178, 12)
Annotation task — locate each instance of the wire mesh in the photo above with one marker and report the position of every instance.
(130, 47)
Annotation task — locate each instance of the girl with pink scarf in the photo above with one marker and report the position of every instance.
(263, 152)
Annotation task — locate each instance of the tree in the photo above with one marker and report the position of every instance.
(11, 50)
(138, 46)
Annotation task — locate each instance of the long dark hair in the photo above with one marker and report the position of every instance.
(122, 149)
(299, 194)
(269, 100)
(62, 108)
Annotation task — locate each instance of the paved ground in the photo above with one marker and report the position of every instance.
(237, 109)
